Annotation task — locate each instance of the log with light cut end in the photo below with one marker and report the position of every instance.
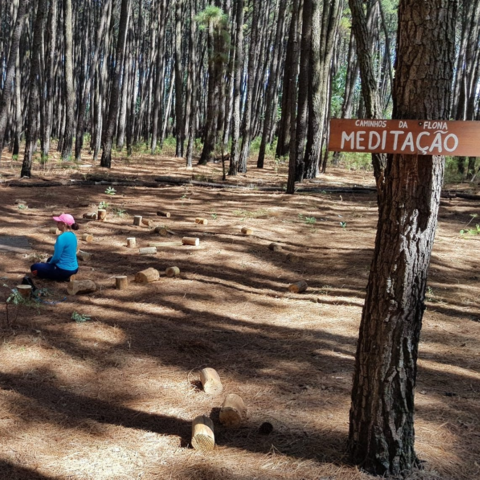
(191, 241)
(54, 230)
(247, 231)
(131, 242)
(203, 436)
(137, 220)
(147, 250)
(201, 221)
(275, 247)
(211, 381)
(147, 276)
(24, 290)
(233, 412)
(72, 278)
(121, 282)
(83, 256)
(298, 287)
(162, 231)
(90, 216)
(163, 214)
(102, 214)
(147, 222)
(81, 286)
(87, 237)
(172, 272)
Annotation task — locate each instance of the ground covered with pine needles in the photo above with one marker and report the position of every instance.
(111, 393)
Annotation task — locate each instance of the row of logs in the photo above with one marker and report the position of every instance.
(232, 414)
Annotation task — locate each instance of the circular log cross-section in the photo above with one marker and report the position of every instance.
(87, 237)
(147, 276)
(172, 272)
(24, 290)
(298, 287)
(203, 436)
(102, 214)
(247, 231)
(201, 221)
(137, 220)
(131, 242)
(233, 412)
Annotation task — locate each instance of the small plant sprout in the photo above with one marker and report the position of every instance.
(343, 224)
(103, 205)
(22, 206)
(310, 220)
(214, 216)
(119, 212)
(79, 318)
(110, 191)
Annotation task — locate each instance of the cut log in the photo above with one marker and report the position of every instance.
(87, 237)
(54, 230)
(24, 290)
(191, 241)
(83, 256)
(211, 381)
(201, 221)
(81, 286)
(247, 231)
(298, 287)
(72, 278)
(102, 214)
(203, 436)
(90, 216)
(147, 276)
(131, 242)
(137, 220)
(275, 247)
(163, 214)
(292, 258)
(162, 231)
(233, 412)
(172, 272)
(147, 222)
(121, 282)
(147, 251)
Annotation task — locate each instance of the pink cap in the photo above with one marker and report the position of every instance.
(66, 218)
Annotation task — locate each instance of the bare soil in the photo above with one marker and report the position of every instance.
(114, 397)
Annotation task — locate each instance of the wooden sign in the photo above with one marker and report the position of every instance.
(422, 137)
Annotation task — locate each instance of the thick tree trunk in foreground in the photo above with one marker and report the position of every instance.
(381, 437)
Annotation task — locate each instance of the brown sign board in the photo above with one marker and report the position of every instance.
(422, 137)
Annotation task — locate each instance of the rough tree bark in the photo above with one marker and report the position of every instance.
(381, 437)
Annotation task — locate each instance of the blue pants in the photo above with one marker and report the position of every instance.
(52, 272)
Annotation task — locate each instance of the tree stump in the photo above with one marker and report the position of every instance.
(201, 221)
(121, 282)
(81, 286)
(162, 231)
(247, 231)
(24, 290)
(191, 241)
(233, 412)
(211, 381)
(172, 272)
(147, 276)
(87, 237)
(83, 256)
(203, 436)
(102, 214)
(298, 287)
(90, 216)
(147, 251)
(163, 214)
(131, 242)
(275, 247)
(137, 220)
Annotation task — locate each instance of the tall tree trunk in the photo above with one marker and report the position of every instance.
(179, 120)
(10, 74)
(69, 91)
(31, 132)
(381, 436)
(237, 92)
(107, 140)
(326, 20)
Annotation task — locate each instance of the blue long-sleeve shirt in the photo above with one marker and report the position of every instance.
(65, 252)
